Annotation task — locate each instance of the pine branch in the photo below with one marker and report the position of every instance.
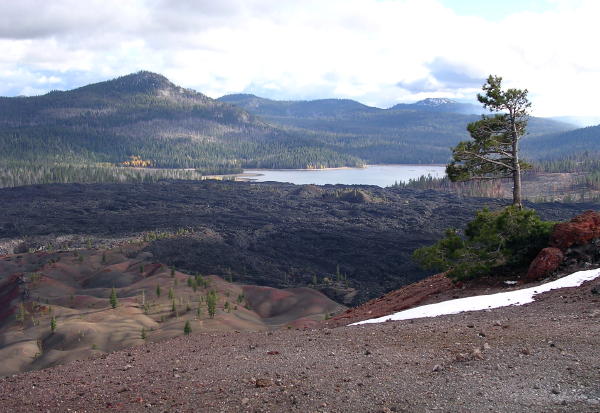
(483, 158)
(488, 178)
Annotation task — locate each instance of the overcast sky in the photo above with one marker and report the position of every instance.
(379, 52)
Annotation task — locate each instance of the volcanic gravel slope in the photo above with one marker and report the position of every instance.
(273, 234)
(541, 357)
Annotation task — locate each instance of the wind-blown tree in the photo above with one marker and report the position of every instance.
(494, 151)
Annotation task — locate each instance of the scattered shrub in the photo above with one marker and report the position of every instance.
(508, 238)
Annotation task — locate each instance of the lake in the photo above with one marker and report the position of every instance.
(380, 175)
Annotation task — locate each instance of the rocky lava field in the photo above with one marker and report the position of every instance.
(273, 234)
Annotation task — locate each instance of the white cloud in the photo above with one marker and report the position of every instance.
(361, 49)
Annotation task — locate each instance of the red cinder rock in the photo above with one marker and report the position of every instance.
(547, 261)
(579, 231)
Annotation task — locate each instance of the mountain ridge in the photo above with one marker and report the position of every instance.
(558, 145)
(420, 132)
(145, 115)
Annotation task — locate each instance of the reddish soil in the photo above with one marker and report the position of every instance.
(9, 290)
(398, 300)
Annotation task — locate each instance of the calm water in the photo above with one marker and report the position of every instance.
(380, 175)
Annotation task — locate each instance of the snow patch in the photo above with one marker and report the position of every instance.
(485, 302)
(435, 102)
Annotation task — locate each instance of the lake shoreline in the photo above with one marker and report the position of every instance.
(382, 175)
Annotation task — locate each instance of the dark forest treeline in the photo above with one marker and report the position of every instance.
(583, 185)
(484, 189)
(20, 173)
(587, 161)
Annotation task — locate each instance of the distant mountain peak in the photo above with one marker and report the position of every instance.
(435, 102)
(140, 82)
(147, 76)
(143, 81)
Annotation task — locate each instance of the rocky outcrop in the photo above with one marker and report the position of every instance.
(546, 262)
(579, 231)
(574, 243)
(339, 293)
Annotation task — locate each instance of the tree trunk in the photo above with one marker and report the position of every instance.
(517, 187)
(516, 169)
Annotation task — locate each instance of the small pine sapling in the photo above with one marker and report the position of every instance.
(113, 298)
(53, 324)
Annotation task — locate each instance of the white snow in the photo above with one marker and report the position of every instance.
(485, 302)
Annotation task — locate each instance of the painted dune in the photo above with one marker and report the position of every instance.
(154, 303)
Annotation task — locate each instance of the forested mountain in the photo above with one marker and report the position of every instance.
(421, 132)
(324, 108)
(441, 105)
(144, 115)
(560, 145)
(321, 108)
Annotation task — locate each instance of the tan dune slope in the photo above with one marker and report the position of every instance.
(154, 302)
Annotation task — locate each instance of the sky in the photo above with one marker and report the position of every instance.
(379, 52)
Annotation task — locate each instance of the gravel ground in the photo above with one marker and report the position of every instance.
(542, 357)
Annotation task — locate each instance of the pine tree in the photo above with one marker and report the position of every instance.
(113, 298)
(494, 151)
(21, 313)
(143, 334)
(187, 329)
(158, 290)
(171, 294)
(53, 324)
(211, 303)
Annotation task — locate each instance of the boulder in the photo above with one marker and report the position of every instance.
(547, 261)
(579, 231)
